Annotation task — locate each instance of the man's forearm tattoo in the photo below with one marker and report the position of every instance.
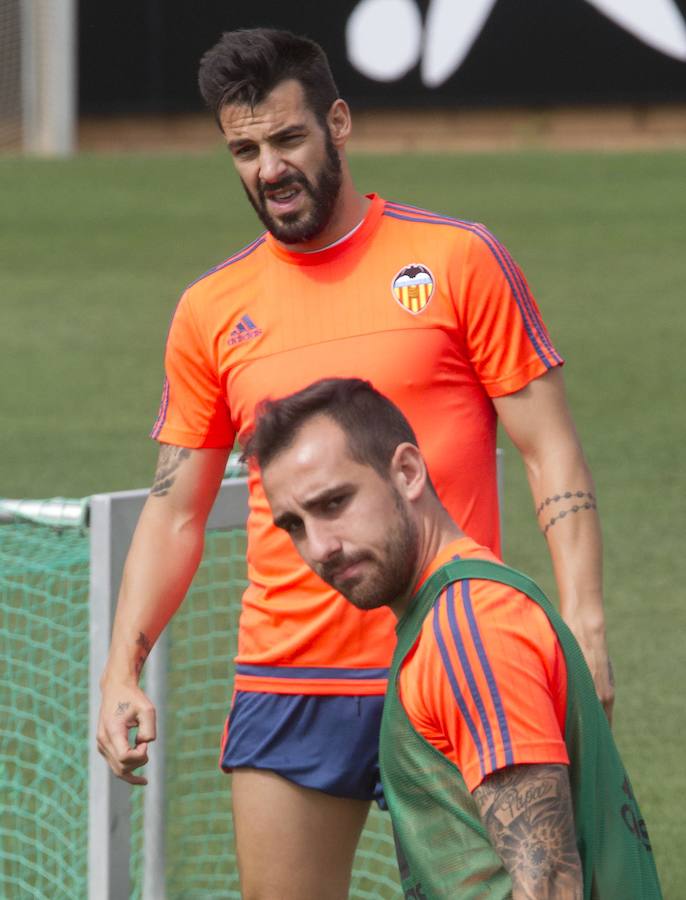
(145, 647)
(589, 502)
(168, 463)
(527, 811)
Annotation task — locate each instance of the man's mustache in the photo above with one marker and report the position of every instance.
(334, 566)
(286, 182)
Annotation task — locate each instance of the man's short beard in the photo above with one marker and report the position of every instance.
(397, 574)
(297, 227)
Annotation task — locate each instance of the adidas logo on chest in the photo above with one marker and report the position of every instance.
(246, 330)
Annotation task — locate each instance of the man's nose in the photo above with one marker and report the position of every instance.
(272, 166)
(323, 543)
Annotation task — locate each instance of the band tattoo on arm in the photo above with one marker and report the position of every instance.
(589, 502)
(168, 462)
(527, 811)
(145, 647)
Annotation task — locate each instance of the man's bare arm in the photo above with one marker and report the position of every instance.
(527, 811)
(169, 460)
(539, 422)
(163, 557)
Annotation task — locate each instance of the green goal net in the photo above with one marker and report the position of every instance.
(44, 659)
(44, 729)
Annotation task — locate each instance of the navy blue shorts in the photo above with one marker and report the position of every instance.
(322, 742)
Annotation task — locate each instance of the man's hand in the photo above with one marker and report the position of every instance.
(125, 707)
(594, 648)
(527, 811)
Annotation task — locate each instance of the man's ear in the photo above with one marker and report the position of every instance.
(339, 121)
(408, 471)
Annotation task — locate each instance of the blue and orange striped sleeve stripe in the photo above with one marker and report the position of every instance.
(493, 681)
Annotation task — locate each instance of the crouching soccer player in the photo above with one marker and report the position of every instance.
(497, 762)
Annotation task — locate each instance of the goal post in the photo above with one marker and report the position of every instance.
(112, 522)
(49, 76)
(38, 83)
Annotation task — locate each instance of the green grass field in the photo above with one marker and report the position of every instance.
(95, 252)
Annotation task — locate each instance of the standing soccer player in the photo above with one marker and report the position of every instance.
(436, 313)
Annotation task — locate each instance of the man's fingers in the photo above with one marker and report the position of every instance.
(123, 764)
(608, 706)
(609, 698)
(594, 649)
(118, 741)
(134, 779)
(604, 682)
(147, 726)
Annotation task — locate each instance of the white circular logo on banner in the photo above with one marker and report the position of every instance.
(384, 38)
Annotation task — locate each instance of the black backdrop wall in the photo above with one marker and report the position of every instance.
(142, 55)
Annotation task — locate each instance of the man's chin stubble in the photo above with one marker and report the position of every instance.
(294, 228)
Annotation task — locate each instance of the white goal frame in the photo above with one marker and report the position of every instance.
(49, 63)
(112, 522)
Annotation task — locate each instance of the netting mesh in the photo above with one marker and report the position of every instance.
(44, 733)
(10, 75)
(44, 711)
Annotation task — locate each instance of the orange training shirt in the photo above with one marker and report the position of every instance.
(435, 313)
(486, 681)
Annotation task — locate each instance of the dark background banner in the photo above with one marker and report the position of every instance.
(142, 55)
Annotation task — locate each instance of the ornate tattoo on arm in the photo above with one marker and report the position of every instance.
(589, 502)
(527, 811)
(145, 645)
(168, 462)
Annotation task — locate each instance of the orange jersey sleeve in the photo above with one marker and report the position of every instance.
(193, 410)
(432, 312)
(508, 343)
(486, 682)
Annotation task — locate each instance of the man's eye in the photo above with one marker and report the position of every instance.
(334, 503)
(292, 527)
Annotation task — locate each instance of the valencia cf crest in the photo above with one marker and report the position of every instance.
(413, 287)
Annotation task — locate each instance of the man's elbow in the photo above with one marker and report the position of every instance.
(552, 880)
(176, 523)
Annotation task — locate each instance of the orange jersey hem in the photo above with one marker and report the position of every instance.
(514, 382)
(190, 440)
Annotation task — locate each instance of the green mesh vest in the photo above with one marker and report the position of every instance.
(443, 848)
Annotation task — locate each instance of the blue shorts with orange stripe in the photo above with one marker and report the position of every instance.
(328, 743)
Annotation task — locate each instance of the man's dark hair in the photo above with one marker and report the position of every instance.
(373, 426)
(244, 66)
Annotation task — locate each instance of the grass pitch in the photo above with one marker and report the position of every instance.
(95, 252)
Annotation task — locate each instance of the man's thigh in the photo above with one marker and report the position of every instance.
(292, 842)
(305, 769)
